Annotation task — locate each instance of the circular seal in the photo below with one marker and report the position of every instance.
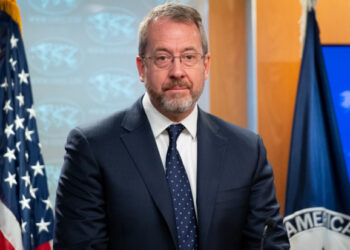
(117, 88)
(54, 7)
(57, 117)
(112, 26)
(55, 57)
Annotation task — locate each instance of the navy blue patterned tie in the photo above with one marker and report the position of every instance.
(181, 194)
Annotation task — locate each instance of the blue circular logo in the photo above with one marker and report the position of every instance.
(54, 7)
(55, 57)
(115, 88)
(56, 118)
(114, 26)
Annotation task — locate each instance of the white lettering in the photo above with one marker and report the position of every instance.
(333, 220)
(317, 217)
(309, 218)
(346, 229)
(291, 230)
(304, 224)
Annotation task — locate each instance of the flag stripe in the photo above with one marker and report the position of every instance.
(45, 246)
(10, 227)
(4, 243)
(310, 209)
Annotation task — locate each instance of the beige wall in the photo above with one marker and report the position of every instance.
(278, 62)
(279, 53)
(228, 66)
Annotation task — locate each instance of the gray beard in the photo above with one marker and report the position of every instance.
(177, 106)
(174, 105)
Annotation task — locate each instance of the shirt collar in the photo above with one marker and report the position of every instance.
(159, 122)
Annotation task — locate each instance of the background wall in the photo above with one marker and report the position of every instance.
(278, 58)
(227, 41)
(278, 62)
(76, 48)
(82, 62)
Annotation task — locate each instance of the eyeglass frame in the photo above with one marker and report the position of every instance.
(173, 59)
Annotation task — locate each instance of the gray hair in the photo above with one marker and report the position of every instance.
(176, 12)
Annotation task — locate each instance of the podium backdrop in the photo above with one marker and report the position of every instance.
(81, 56)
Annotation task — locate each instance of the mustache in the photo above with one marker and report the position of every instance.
(176, 83)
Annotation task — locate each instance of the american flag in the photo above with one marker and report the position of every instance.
(26, 214)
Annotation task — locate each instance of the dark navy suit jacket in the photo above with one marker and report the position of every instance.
(113, 194)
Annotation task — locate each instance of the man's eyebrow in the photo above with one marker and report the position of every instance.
(160, 49)
(190, 49)
(163, 49)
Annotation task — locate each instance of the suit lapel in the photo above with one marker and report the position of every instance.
(141, 145)
(211, 149)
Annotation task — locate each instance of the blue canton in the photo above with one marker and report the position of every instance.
(180, 190)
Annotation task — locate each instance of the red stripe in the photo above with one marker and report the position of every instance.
(4, 243)
(45, 246)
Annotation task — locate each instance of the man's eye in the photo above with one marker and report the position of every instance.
(161, 58)
(189, 57)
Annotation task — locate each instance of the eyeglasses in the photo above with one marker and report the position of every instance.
(164, 60)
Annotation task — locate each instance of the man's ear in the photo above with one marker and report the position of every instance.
(140, 67)
(206, 66)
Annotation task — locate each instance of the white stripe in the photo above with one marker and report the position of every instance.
(10, 227)
(311, 209)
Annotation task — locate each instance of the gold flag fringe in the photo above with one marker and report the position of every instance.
(11, 8)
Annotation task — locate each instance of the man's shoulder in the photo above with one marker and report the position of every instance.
(112, 124)
(227, 129)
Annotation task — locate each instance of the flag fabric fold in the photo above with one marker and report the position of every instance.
(26, 214)
(317, 208)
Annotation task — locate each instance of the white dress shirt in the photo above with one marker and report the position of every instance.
(186, 142)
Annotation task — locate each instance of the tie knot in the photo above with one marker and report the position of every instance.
(174, 131)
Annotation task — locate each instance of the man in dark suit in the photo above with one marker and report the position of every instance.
(164, 174)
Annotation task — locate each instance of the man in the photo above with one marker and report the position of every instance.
(163, 174)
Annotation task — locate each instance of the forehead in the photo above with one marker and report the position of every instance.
(173, 36)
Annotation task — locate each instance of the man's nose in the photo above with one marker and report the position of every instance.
(176, 68)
